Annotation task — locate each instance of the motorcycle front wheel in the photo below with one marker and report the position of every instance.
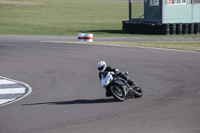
(117, 92)
(137, 92)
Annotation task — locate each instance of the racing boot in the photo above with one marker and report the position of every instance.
(108, 94)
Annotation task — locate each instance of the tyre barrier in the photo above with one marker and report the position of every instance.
(191, 29)
(179, 29)
(196, 28)
(160, 29)
(88, 38)
(81, 37)
(150, 28)
(85, 37)
(166, 29)
(185, 29)
(172, 29)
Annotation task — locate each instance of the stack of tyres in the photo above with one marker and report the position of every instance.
(173, 29)
(185, 29)
(144, 28)
(153, 28)
(191, 28)
(134, 28)
(165, 29)
(179, 29)
(139, 28)
(150, 28)
(158, 29)
(124, 27)
(129, 29)
(196, 28)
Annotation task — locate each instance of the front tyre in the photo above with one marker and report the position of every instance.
(117, 92)
(137, 92)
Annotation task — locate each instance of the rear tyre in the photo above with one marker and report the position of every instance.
(118, 93)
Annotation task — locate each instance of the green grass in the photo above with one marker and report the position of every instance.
(137, 10)
(61, 17)
(70, 17)
(179, 45)
(67, 17)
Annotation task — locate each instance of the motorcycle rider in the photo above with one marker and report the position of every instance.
(102, 67)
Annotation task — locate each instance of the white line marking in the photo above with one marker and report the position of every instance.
(3, 82)
(12, 91)
(2, 101)
(27, 88)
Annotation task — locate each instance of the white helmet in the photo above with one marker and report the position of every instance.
(101, 65)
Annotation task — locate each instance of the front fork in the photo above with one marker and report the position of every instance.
(131, 89)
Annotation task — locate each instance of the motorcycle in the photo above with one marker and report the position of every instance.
(118, 87)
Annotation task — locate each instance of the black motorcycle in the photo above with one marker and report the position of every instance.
(118, 87)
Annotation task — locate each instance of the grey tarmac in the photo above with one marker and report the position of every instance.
(67, 96)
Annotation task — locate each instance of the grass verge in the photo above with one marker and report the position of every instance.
(67, 17)
(61, 18)
(178, 45)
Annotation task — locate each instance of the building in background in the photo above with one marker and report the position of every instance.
(165, 17)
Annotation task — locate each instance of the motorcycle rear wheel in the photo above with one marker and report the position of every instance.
(118, 93)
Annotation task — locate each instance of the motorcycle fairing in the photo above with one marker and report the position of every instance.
(106, 79)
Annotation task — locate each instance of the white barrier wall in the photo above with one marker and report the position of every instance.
(81, 37)
(85, 37)
(89, 38)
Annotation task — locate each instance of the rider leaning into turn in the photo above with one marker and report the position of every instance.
(102, 67)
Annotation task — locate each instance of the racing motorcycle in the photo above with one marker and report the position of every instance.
(118, 87)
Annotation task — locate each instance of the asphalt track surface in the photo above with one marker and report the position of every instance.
(67, 96)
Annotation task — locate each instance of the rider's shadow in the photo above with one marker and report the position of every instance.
(79, 101)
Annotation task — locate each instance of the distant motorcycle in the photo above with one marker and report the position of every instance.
(118, 87)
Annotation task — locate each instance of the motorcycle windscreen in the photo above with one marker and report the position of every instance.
(104, 75)
(106, 78)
